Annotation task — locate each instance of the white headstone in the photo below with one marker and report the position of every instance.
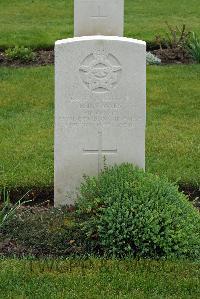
(98, 17)
(99, 109)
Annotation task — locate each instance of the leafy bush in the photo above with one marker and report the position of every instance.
(194, 47)
(152, 59)
(129, 212)
(20, 53)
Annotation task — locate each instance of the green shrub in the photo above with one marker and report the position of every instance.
(194, 47)
(20, 53)
(129, 212)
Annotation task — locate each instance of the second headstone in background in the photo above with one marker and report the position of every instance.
(98, 17)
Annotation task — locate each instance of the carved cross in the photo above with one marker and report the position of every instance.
(100, 151)
(99, 14)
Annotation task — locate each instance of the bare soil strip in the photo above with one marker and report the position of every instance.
(46, 57)
(45, 195)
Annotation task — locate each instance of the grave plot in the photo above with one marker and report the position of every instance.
(101, 118)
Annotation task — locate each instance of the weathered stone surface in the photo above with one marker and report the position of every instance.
(98, 17)
(99, 109)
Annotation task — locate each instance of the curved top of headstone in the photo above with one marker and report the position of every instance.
(100, 37)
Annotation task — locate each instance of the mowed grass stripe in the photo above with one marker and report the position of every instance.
(39, 23)
(99, 279)
(173, 122)
(26, 120)
(26, 126)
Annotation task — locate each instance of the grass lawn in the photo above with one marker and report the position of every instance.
(99, 279)
(26, 121)
(39, 23)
